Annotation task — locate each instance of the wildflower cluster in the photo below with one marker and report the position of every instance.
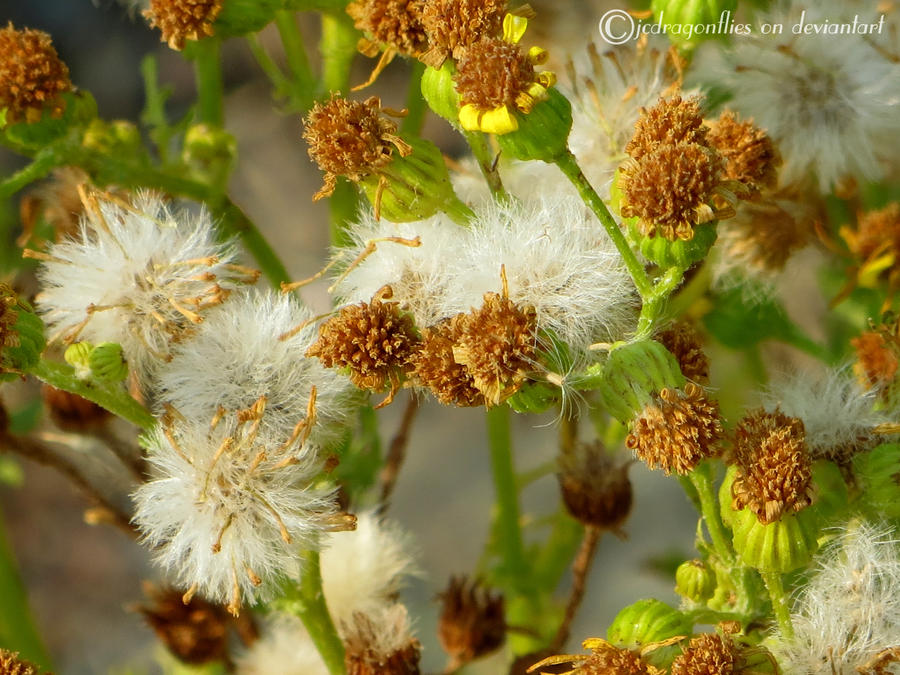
(635, 289)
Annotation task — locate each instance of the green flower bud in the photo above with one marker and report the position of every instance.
(534, 398)
(210, 152)
(782, 545)
(648, 621)
(21, 335)
(78, 355)
(693, 13)
(413, 185)
(878, 476)
(80, 109)
(542, 133)
(107, 362)
(633, 373)
(111, 138)
(695, 581)
(439, 92)
(240, 17)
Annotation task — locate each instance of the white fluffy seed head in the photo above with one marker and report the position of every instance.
(138, 274)
(237, 355)
(230, 507)
(828, 101)
(838, 415)
(850, 610)
(364, 569)
(557, 259)
(417, 274)
(284, 647)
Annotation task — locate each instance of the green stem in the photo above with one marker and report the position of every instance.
(343, 205)
(701, 479)
(17, 629)
(308, 603)
(42, 164)
(301, 83)
(654, 305)
(478, 144)
(111, 397)
(775, 586)
(207, 58)
(338, 49)
(415, 103)
(504, 475)
(232, 221)
(569, 166)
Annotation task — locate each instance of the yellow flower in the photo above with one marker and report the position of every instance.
(496, 80)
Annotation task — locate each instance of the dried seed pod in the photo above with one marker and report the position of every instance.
(472, 622)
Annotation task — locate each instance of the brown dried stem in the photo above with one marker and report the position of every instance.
(581, 567)
(397, 451)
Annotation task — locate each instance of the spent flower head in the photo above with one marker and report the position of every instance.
(453, 25)
(32, 76)
(389, 24)
(230, 505)
(183, 20)
(139, 274)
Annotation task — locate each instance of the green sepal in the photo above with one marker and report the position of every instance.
(534, 398)
(781, 546)
(543, 133)
(647, 621)
(634, 372)
(27, 138)
(439, 91)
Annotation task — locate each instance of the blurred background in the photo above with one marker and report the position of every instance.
(83, 581)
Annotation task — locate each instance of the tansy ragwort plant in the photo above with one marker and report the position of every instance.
(623, 218)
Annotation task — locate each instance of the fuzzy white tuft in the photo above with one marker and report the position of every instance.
(828, 101)
(284, 647)
(236, 356)
(557, 259)
(364, 569)
(417, 274)
(139, 274)
(849, 611)
(839, 417)
(229, 517)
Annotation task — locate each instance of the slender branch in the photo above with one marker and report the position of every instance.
(234, 221)
(130, 456)
(42, 454)
(509, 528)
(42, 164)
(206, 55)
(482, 152)
(569, 166)
(301, 84)
(701, 479)
(338, 49)
(397, 451)
(775, 586)
(581, 567)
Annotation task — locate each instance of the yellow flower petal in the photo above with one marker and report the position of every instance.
(537, 55)
(470, 117)
(499, 121)
(868, 274)
(514, 28)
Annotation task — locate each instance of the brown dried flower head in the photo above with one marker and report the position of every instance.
(876, 359)
(472, 622)
(669, 122)
(764, 234)
(11, 664)
(604, 659)
(595, 486)
(493, 73)
(750, 156)
(685, 344)
(9, 303)
(183, 20)
(677, 431)
(350, 138)
(670, 189)
(374, 340)
(196, 632)
(706, 654)
(32, 76)
(436, 368)
(774, 466)
(496, 346)
(454, 25)
(381, 645)
(396, 24)
(71, 412)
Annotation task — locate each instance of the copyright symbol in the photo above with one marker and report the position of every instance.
(610, 20)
